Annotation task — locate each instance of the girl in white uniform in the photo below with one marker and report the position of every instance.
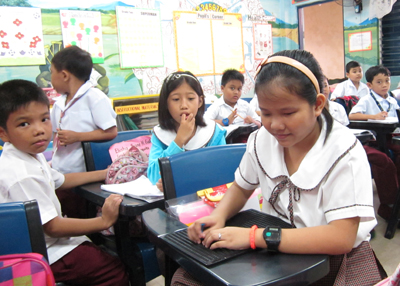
(313, 173)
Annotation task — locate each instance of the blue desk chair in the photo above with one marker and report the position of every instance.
(97, 157)
(186, 173)
(22, 230)
(96, 152)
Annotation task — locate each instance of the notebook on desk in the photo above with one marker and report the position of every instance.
(208, 257)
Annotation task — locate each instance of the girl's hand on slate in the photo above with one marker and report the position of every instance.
(228, 237)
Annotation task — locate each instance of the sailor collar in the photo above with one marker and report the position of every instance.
(200, 139)
(318, 162)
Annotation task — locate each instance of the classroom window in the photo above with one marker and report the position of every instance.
(391, 39)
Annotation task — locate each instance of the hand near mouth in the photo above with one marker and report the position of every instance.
(186, 129)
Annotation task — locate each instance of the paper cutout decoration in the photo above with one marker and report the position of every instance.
(21, 36)
(139, 35)
(83, 29)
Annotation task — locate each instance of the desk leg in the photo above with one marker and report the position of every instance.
(382, 143)
(129, 253)
(394, 218)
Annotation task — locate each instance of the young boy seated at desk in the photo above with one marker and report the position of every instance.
(25, 126)
(378, 104)
(382, 167)
(353, 85)
(230, 108)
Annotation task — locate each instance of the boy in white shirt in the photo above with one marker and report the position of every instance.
(352, 86)
(25, 127)
(378, 104)
(230, 108)
(81, 113)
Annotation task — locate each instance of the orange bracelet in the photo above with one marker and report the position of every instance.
(252, 237)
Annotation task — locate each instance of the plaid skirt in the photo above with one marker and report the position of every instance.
(358, 267)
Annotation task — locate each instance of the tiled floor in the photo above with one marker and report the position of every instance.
(159, 281)
(387, 250)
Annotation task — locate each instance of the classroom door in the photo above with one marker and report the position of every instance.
(321, 33)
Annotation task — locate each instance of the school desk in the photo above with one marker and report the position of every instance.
(253, 268)
(128, 210)
(381, 129)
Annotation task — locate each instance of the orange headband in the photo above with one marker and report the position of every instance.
(291, 62)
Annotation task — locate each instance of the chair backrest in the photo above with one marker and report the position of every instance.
(96, 153)
(187, 172)
(21, 229)
(1, 146)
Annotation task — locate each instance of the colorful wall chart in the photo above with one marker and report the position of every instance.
(21, 36)
(83, 29)
(263, 46)
(140, 39)
(208, 43)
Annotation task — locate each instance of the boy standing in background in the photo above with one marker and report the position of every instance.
(229, 108)
(353, 85)
(25, 128)
(81, 113)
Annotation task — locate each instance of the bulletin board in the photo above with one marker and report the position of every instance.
(360, 41)
(208, 43)
(140, 38)
(21, 36)
(83, 29)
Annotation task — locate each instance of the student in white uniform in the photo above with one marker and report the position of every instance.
(254, 104)
(312, 171)
(25, 175)
(81, 113)
(378, 104)
(335, 109)
(353, 85)
(181, 124)
(230, 108)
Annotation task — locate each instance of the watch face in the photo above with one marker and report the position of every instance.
(272, 233)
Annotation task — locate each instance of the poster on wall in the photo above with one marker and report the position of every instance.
(140, 39)
(83, 29)
(208, 43)
(21, 36)
(360, 41)
(228, 30)
(262, 38)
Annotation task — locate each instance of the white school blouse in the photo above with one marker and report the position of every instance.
(367, 105)
(347, 88)
(91, 111)
(24, 177)
(220, 110)
(338, 113)
(333, 181)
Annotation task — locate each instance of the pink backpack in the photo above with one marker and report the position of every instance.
(30, 269)
(128, 167)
